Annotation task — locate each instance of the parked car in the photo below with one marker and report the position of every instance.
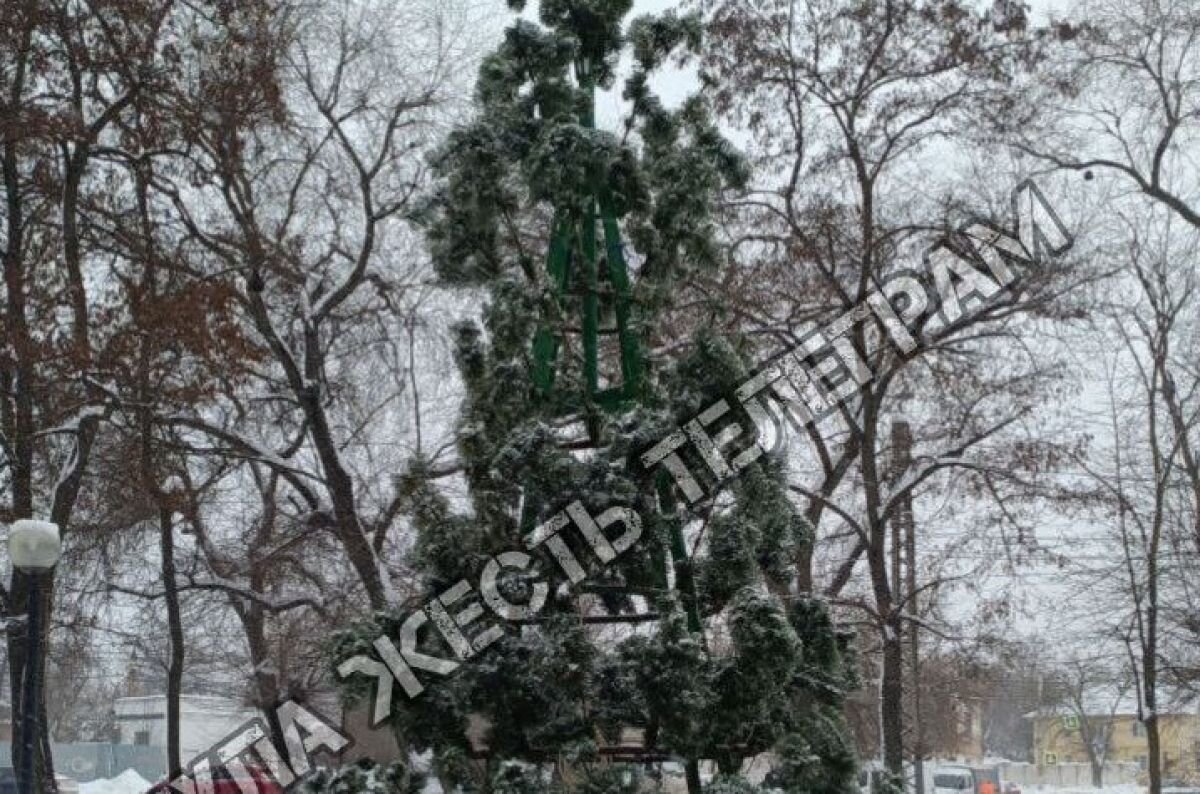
(223, 782)
(953, 780)
(1171, 786)
(1011, 788)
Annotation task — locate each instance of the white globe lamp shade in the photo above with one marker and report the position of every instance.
(34, 546)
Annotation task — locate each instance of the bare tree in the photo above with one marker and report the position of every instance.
(1090, 693)
(1147, 486)
(843, 99)
(306, 137)
(1123, 98)
(68, 71)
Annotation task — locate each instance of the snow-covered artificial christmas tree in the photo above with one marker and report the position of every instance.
(691, 641)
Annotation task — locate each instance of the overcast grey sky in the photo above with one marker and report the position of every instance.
(673, 85)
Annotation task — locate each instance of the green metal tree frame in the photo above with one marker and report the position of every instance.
(573, 256)
(568, 228)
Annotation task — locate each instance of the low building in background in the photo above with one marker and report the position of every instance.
(1058, 737)
(204, 720)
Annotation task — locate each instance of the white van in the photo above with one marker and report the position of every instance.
(953, 780)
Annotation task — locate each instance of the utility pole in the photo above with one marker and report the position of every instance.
(903, 525)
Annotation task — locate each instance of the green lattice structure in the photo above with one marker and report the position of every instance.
(573, 259)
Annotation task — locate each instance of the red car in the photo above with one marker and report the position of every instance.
(223, 782)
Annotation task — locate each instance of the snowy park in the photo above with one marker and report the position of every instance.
(600, 396)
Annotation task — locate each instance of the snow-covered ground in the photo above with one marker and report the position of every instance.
(128, 782)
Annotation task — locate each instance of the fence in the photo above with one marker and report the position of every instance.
(1067, 775)
(84, 761)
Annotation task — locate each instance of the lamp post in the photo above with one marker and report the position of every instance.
(34, 548)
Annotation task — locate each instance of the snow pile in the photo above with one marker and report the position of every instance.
(128, 782)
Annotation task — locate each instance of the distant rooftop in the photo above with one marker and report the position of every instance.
(189, 702)
(1123, 704)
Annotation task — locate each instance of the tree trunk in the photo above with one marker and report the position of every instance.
(266, 680)
(891, 700)
(1154, 754)
(1150, 678)
(906, 526)
(891, 687)
(804, 567)
(341, 492)
(692, 770)
(1150, 647)
(175, 630)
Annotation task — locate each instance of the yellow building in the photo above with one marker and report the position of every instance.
(1057, 739)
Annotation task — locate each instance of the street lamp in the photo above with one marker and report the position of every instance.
(34, 548)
